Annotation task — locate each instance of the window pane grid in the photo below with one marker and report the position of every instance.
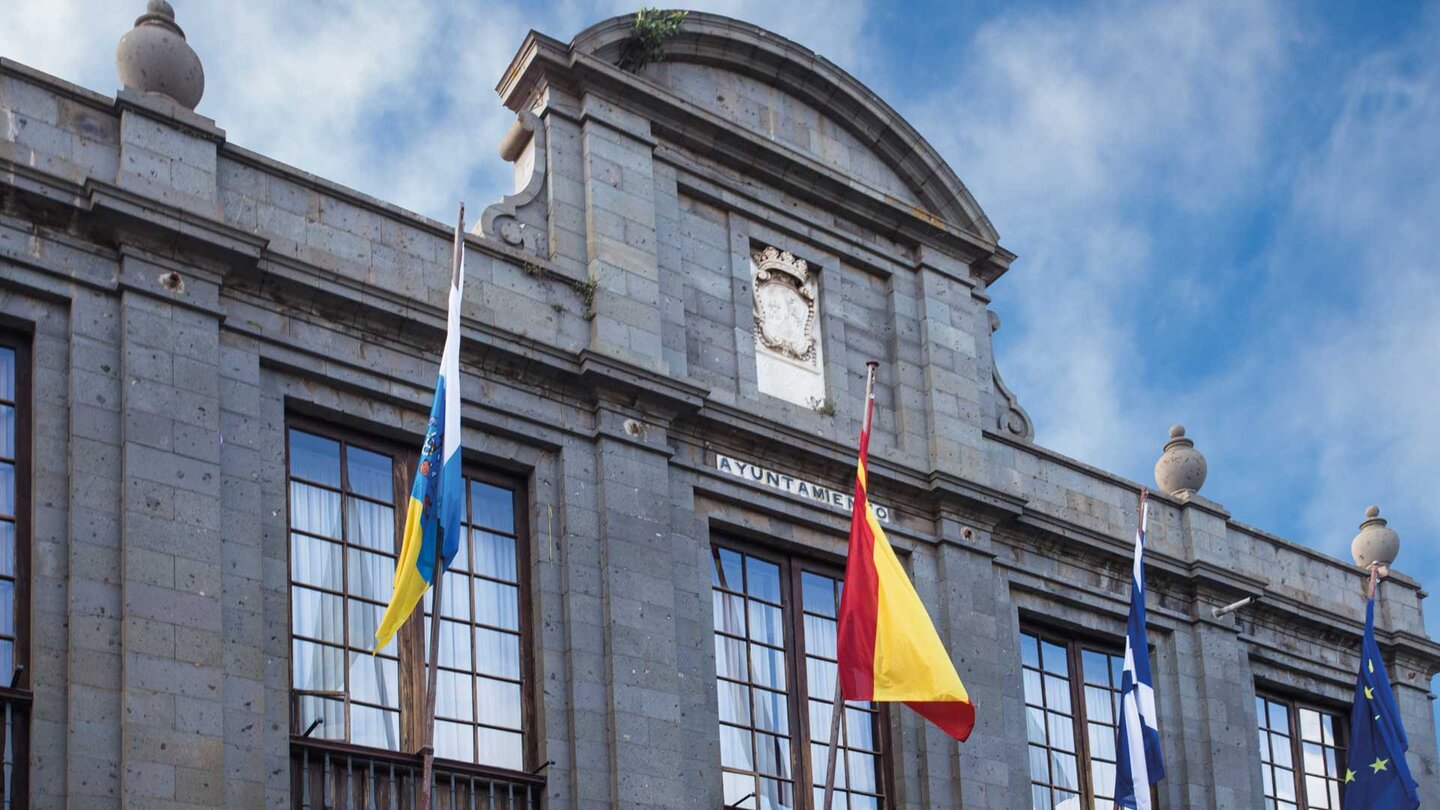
(360, 702)
(1072, 706)
(1054, 765)
(774, 629)
(858, 780)
(490, 729)
(1323, 759)
(755, 726)
(1102, 716)
(1302, 755)
(10, 507)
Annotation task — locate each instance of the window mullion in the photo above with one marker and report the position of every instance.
(1079, 720)
(801, 768)
(345, 585)
(470, 566)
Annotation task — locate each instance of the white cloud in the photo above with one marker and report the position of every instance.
(1072, 128)
(1358, 380)
(391, 97)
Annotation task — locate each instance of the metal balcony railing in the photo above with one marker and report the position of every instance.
(327, 775)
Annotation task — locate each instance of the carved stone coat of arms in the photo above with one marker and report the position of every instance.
(785, 292)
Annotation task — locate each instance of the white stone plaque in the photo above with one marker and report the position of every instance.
(795, 485)
(789, 358)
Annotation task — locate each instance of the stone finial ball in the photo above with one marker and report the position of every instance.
(1181, 469)
(1377, 543)
(153, 57)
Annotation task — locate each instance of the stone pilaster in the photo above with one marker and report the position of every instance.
(621, 265)
(172, 675)
(94, 609)
(638, 605)
(983, 638)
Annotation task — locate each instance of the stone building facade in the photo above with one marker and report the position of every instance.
(214, 361)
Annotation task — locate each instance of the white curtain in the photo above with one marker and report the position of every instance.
(317, 615)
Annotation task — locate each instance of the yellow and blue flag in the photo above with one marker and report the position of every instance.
(432, 522)
(1376, 774)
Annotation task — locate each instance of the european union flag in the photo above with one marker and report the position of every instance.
(1376, 775)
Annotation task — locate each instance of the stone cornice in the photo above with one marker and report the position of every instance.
(543, 60)
(73, 92)
(126, 211)
(1198, 503)
(169, 112)
(659, 391)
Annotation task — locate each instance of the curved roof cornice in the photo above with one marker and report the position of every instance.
(746, 49)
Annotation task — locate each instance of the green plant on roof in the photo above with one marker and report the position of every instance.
(648, 32)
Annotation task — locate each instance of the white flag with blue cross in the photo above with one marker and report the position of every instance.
(1138, 751)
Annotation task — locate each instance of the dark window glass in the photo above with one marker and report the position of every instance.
(775, 680)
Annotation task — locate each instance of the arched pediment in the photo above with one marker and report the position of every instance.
(765, 83)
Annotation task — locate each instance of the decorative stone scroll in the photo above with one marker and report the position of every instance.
(520, 218)
(788, 352)
(1009, 416)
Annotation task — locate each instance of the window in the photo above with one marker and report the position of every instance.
(478, 703)
(1299, 741)
(344, 543)
(15, 697)
(1072, 702)
(14, 482)
(342, 563)
(775, 680)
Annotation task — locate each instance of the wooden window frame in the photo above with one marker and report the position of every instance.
(411, 637)
(22, 460)
(1293, 705)
(792, 566)
(528, 711)
(1075, 645)
(15, 686)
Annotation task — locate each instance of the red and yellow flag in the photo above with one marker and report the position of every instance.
(888, 648)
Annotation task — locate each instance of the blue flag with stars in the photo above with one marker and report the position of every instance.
(1376, 775)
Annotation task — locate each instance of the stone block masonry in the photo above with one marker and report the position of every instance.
(184, 300)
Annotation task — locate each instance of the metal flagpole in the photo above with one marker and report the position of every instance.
(437, 578)
(839, 705)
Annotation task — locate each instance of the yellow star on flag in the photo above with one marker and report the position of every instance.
(1378, 765)
(1349, 776)
(1371, 665)
(1369, 694)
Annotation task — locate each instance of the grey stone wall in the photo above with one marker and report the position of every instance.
(607, 370)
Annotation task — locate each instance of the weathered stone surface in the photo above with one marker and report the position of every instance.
(605, 365)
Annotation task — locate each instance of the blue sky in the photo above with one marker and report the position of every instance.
(1226, 213)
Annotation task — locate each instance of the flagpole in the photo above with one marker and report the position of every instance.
(838, 706)
(437, 581)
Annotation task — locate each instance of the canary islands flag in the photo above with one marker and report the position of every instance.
(887, 646)
(1376, 774)
(432, 522)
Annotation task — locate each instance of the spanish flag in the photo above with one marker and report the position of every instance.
(437, 497)
(888, 648)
